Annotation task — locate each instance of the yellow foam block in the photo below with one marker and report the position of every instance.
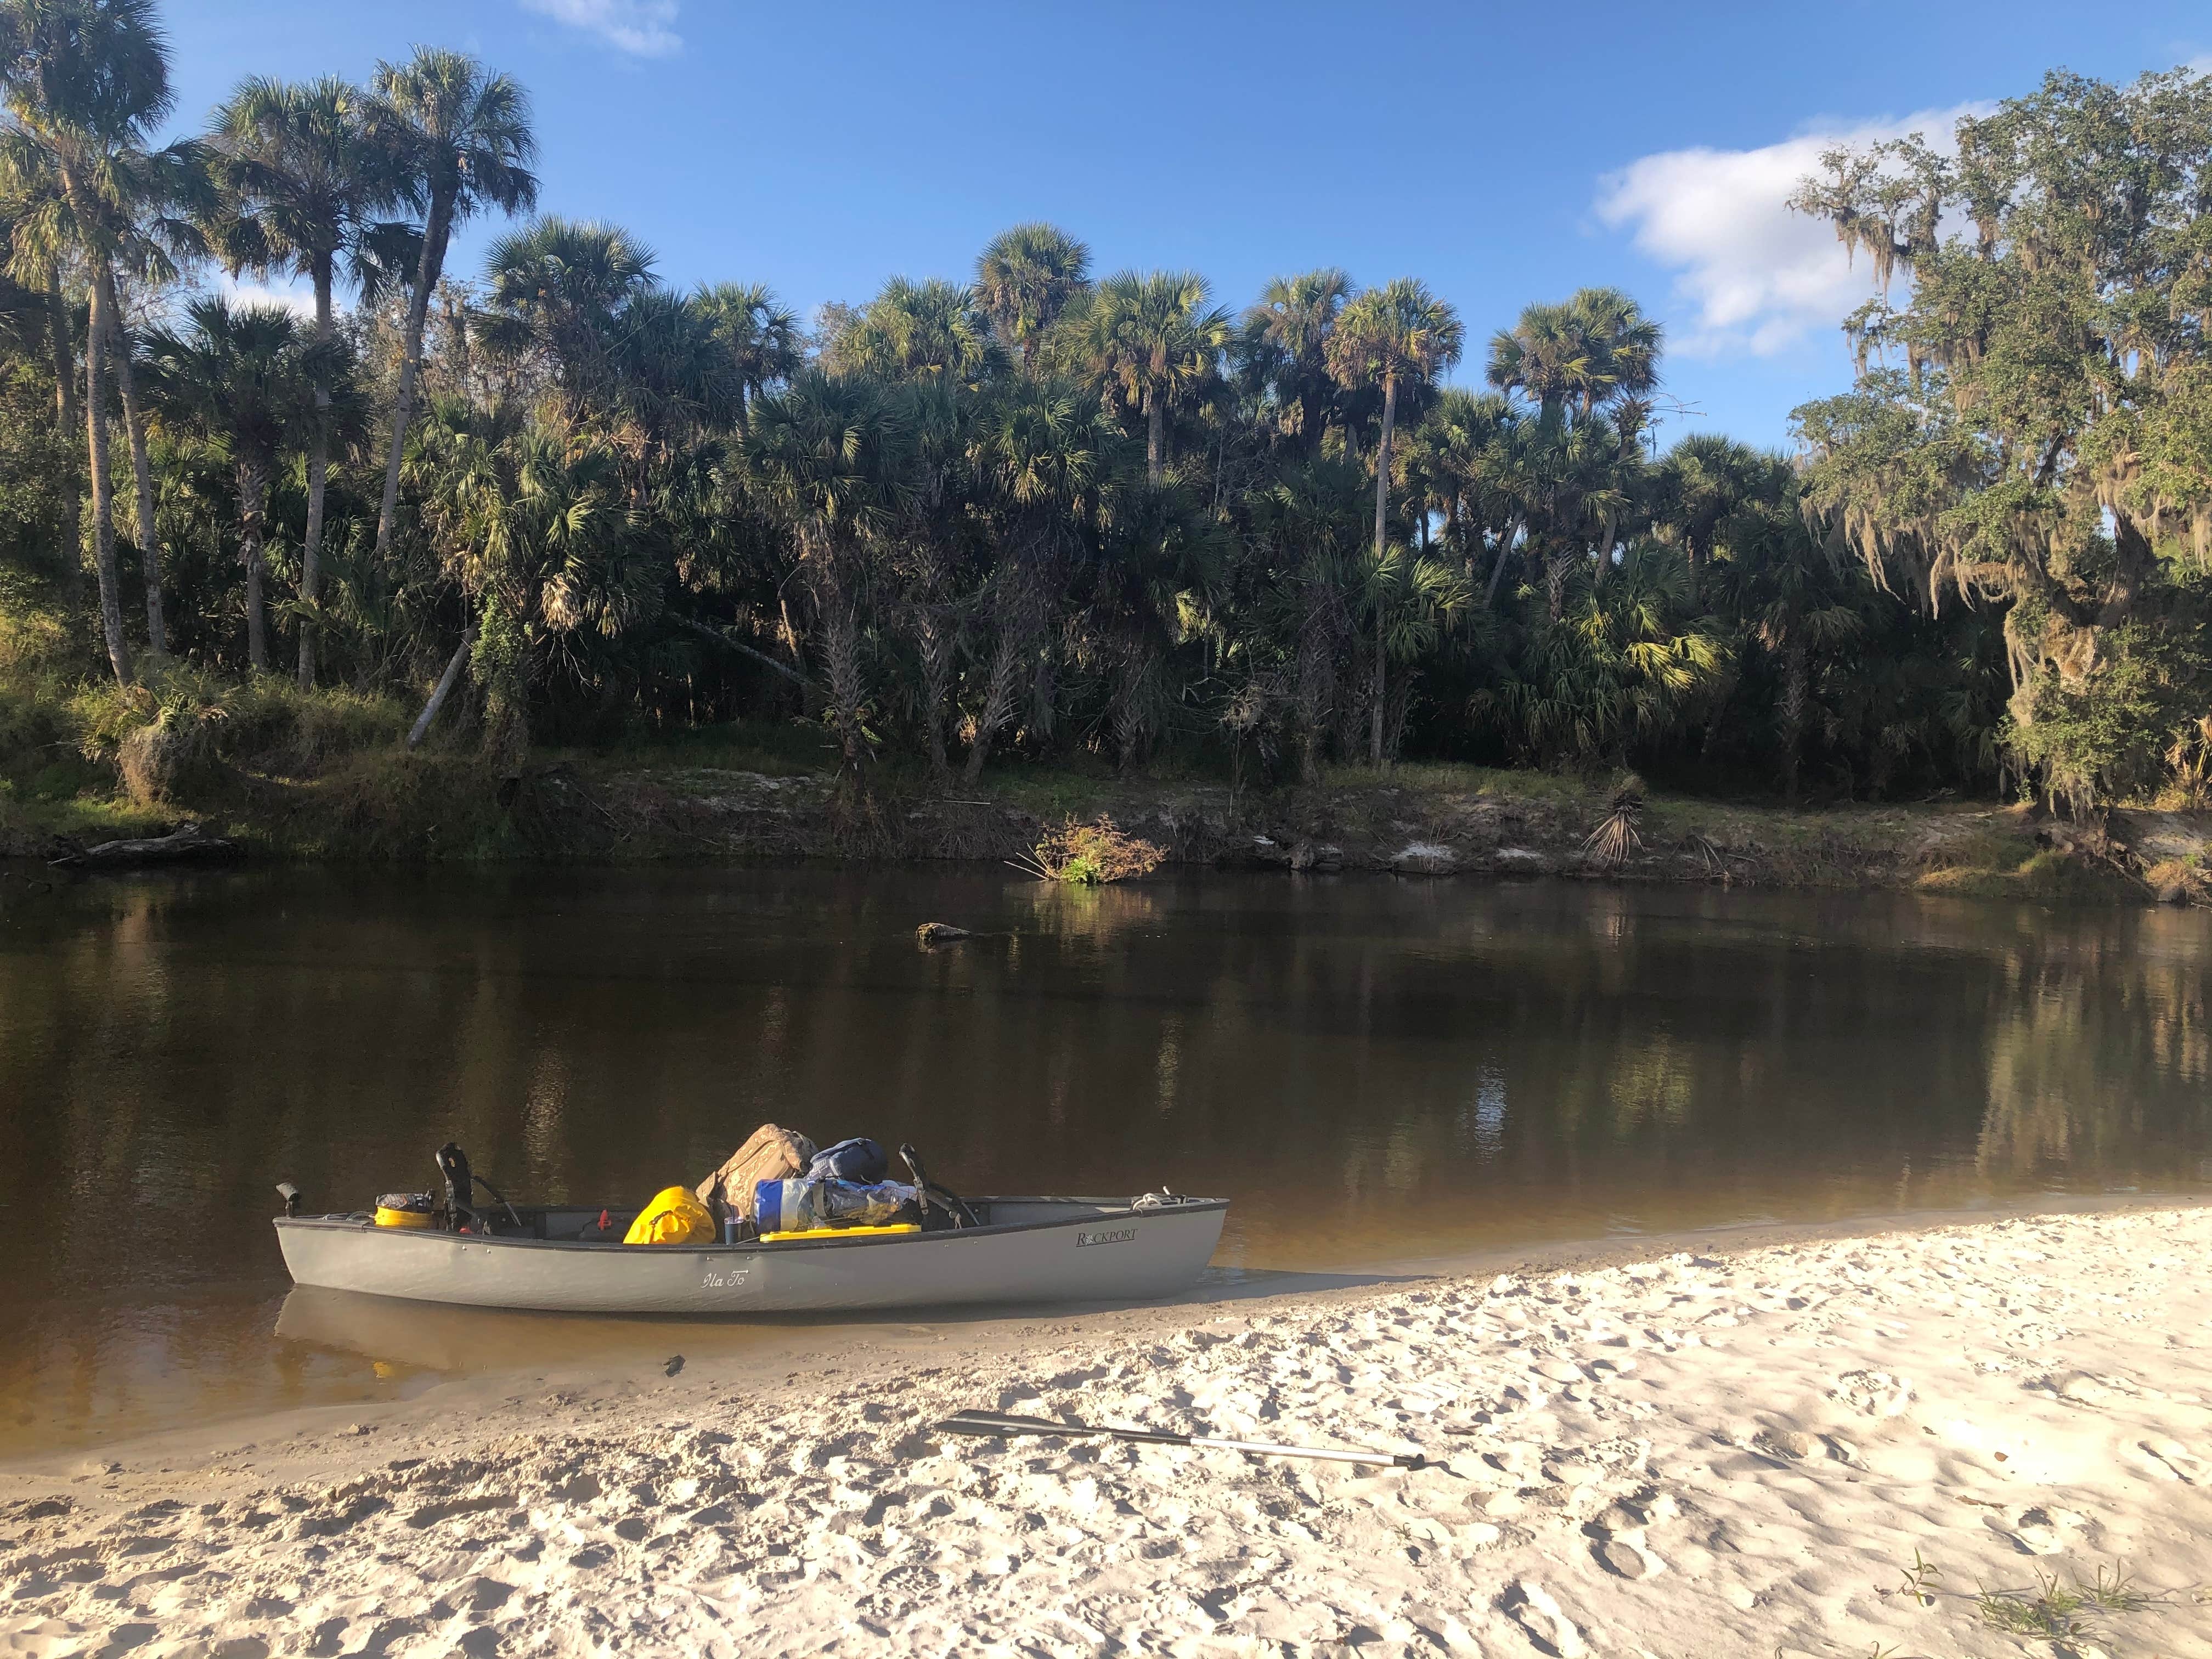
(843, 1233)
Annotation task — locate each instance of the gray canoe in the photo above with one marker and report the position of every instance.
(1027, 1249)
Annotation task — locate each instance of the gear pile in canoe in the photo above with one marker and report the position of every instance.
(781, 1226)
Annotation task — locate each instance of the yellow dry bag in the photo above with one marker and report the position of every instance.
(674, 1216)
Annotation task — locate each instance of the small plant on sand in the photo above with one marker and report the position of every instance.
(2114, 1594)
(1920, 1580)
(1090, 855)
(2049, 1611)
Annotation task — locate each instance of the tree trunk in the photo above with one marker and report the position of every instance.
(426, 271)
(1156, 438)
(841, 650)
(1796, 689)
(1375, 707)
(788, 632)
(936, 642)
(806, 687)
(1382, 545)
(142, 473)
(103, 505)
(1312, 421)
(64, 353)
(252, 527)
(1505, 552)
(1013, 630)
(444, 689)
(1317, 679)
(318, 472)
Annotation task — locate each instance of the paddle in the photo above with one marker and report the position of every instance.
(998, 1424)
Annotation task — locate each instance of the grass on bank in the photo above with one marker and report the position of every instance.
(324, 774)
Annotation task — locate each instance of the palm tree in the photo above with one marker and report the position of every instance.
(1587, 365)
(1451, 447)
(1390, 337)
(1044, 456)
(911, 331)
(1155, 338)
(1408, 599)
(1297, 316)
(302, 185)
(1787, 592)
(85, 83)
(1025, 279)
(937, 546)
(1705, 481)
(760, 336)
(533, 524)
(1543, 357)
(33, 274)
(1159, 562)
(1593, 351)
(559, 287)
(247, 379)
(458, 139)
(1625, 663)
(831, 450)
(1625, 347)
(1306, 529)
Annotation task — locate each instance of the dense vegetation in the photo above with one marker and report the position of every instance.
(1046, 512)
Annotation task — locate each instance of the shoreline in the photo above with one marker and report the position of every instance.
(1615, 1438)
(1418, 821)
(611, 1352)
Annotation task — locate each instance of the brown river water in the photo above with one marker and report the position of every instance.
(1375, 1071)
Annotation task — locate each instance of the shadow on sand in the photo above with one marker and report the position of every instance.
(430, 1336)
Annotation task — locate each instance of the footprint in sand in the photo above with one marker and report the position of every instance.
(1873, 1393)
(2037, 1530)
(2081, 1388)
(1531, 1607)
(1785, 1443)
(1625, 1560)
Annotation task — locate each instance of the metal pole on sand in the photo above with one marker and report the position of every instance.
(998, 1425)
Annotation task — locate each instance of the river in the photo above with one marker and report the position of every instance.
(1375, 1070)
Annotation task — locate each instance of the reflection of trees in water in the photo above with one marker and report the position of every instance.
(1329, 1051)
(1096, 916)
(2098, 1060)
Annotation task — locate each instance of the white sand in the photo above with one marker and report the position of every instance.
(1692, 1456)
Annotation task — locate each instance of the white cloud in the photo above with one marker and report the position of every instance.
(642, 27)
(1755, 276)
(295, 296)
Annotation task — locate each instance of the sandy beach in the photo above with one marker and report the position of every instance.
(1976, 1440)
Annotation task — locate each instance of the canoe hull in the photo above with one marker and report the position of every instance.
(1059, 1250)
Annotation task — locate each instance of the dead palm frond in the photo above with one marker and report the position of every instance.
(1615, 837)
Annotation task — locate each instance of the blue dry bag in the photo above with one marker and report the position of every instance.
(802, 1206)
(859, 1159)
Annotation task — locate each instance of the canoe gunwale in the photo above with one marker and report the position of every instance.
(1100, 1210)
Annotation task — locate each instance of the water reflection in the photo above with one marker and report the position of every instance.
(1371, 1069)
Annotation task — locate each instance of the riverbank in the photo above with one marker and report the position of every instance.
(1972, 1440)
(768, 793)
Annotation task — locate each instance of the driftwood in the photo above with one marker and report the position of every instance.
(186, 844)
(940, 933)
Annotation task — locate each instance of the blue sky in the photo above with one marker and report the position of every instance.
(1503, 154)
